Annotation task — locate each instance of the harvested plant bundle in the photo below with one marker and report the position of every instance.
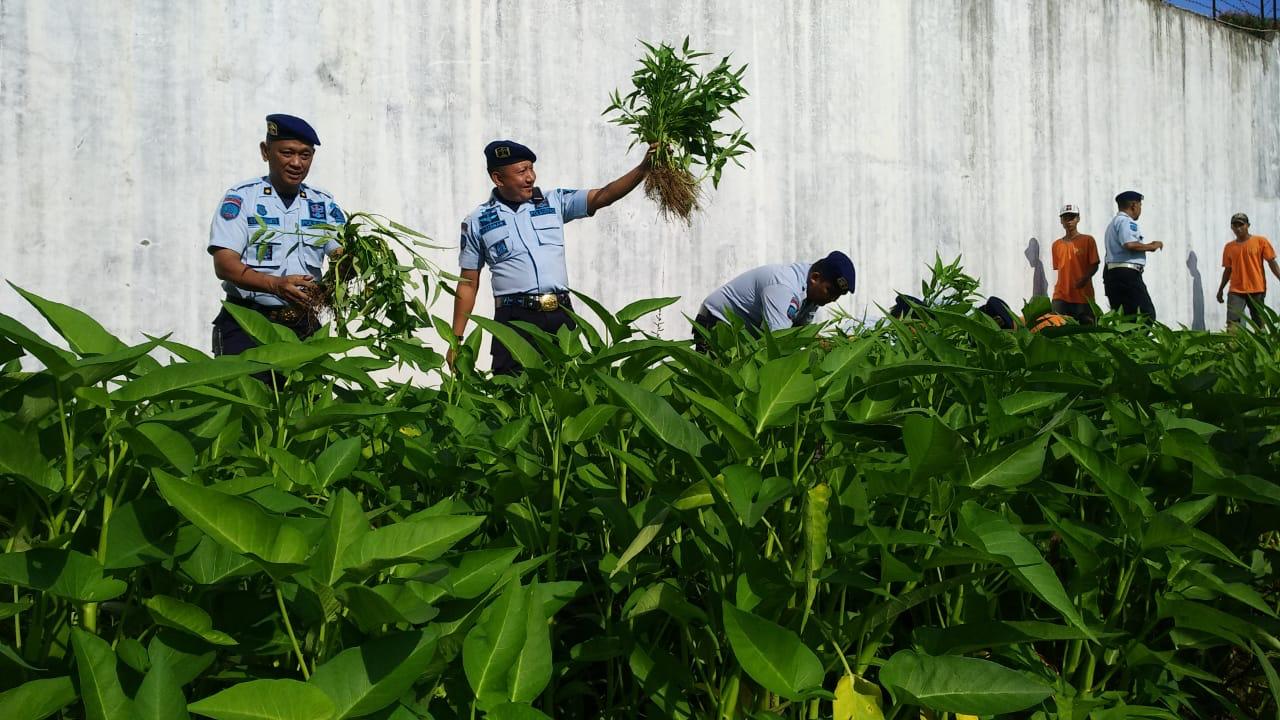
(675, 109)
(368, 285)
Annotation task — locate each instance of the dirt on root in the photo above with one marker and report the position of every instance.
(675, 190)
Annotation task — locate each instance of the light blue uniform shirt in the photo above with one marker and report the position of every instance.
(524, 248)
(1123, 229)
(770, 294)
(273, 239)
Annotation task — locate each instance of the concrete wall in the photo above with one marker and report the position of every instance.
(892, 130)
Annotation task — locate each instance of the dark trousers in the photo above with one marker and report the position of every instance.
(1081, 312)
(503, 362)
(231, 339)
(1127, 292)
(704, 322)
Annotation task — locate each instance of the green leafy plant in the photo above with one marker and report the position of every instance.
(929, 514)
(675, 109)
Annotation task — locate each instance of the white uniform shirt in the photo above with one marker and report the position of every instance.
(1124, 229)
(770, 294)
(272, 239)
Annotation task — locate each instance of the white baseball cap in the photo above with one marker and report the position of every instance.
(1069, 209)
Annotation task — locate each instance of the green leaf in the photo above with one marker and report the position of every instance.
(991, 533)
(82, 333)
(521, 349)
(960, 684)
(491, 648)
(402, 542)
(184, 616)
(641, 540)
(857, 699)
(932, 446)
(238, 524)
(972, 637)
(141, 532)
(337, 461)
(65, 573)
(180, 376)
(266, 700)
(1123, 492)
(160, 695)
(347, 524)
(37, 699)
(638, 309)
(732, 426)
(531, 672)
(657, 415)
(159, 440)
(771, 654)
(515, 711)
(258, 327)
(586, 424)
(368, 678)
(477, 571)
(100, 689)
(1010, 466)
(20, 455)
(784, 384)
(665, 597)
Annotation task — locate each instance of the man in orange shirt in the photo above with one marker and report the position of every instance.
(1242, 260)
(1075, 257)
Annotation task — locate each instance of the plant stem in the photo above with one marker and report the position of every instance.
(288, 626)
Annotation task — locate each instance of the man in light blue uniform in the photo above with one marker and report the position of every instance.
(1127, 259)
(778, 296)
(519, 233)
(270, 237)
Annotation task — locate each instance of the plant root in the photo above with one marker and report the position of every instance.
(675, 190)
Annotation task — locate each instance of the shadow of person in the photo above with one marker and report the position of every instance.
(1039, 283)
(1197, 292)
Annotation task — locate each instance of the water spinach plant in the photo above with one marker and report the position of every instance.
(675, 109)
(924, 516)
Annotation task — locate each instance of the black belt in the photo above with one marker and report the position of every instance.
(542, 302)
(281, 314)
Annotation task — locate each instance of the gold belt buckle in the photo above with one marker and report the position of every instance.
(548, 302)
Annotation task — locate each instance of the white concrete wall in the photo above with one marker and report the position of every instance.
(892, 130)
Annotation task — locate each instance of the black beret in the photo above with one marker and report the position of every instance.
(288, 127)
(838, 268)
(506, 152)
(1128, 196)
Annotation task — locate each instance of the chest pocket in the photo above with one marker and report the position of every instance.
(499, 246)
(310, 250)
(549, 228)
(262, 254)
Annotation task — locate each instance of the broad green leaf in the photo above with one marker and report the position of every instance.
(65, 573)
(347, 524)
(477, 571)
(1020, 403)
(82, 333)
(932, 446)
(617, 331)
(586, 424)
(961, 685)
(258, 327)
(341, 413)
(991, 533)
(515, 711)
(657, 415)
(1189, 446)
(972, 637)
(212, 562)
(771, 654)
(239, 524)
(286, 356)
(531, 672)
(37, 699)
(1244, 487)
(491, 647)
(183, 656)
(368, 678)
(857, 699)
(160, 695)
(164, 442)
(180, 376)
(427, 539)
(184, 616)
(20, 455)
(523, 352)
(337, 461)
(141, 532)
(1010, 466)
(638, 309)
(784, 384)
(641, 540)
(266, 700)
(1123, 492)
(733, 427)
(665, 597)
(52, 357)
(9, 609)
(100, 689)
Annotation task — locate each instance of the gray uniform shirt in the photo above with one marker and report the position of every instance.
(772, 295)
(1124, 229)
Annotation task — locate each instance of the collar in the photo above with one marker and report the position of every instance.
(497, 200)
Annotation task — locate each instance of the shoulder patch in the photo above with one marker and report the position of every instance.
(1133, 226)
(793, 308)
(231, 207)
(336, 214)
